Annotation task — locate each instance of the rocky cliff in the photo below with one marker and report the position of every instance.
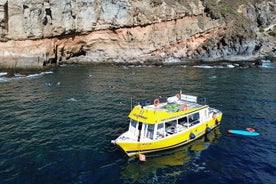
(35, 33)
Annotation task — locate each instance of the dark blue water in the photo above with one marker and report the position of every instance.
(56, 127)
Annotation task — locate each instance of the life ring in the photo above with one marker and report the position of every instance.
(250, 129)
(184, 107)
(178, 96)
(156, 102)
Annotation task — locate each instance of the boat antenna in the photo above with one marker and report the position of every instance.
(131, 103)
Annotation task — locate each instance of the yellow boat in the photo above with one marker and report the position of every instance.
(165, 125)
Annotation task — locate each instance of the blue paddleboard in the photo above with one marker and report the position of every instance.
(243, 132)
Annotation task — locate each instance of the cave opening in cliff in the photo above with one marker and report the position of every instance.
(80, 53)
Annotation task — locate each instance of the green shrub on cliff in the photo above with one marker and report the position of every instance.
(272, 34)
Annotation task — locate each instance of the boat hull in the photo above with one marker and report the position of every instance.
(132, 148)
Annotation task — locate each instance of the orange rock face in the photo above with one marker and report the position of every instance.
(36, 33)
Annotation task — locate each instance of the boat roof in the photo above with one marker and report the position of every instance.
(175, 107)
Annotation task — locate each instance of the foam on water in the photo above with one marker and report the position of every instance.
(3, 73)
(267, 64)
(230, 66)
(18, 76)
(203, 66)
(39, 74)
(215, 66)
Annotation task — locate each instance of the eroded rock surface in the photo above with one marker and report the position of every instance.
(35, 33)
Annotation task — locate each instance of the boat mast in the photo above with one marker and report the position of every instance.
(130, 103)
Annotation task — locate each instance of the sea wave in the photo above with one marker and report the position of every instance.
(208, 66)
(203, 66)
(219, 66)
(18, 76)
(3, 73)
(267, 64)
(39, 74)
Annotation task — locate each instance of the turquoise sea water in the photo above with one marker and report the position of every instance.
(56, 126)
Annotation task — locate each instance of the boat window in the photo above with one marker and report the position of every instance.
(132, 126)
(194, 118)
(170, 127)
(140, 125)
(160, 131)
(150, 131)
(182, 121)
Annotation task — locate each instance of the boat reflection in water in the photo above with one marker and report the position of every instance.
(136, 171)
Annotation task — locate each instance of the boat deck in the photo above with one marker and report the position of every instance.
(174, 106)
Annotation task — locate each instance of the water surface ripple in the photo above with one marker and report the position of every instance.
(57, 127)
